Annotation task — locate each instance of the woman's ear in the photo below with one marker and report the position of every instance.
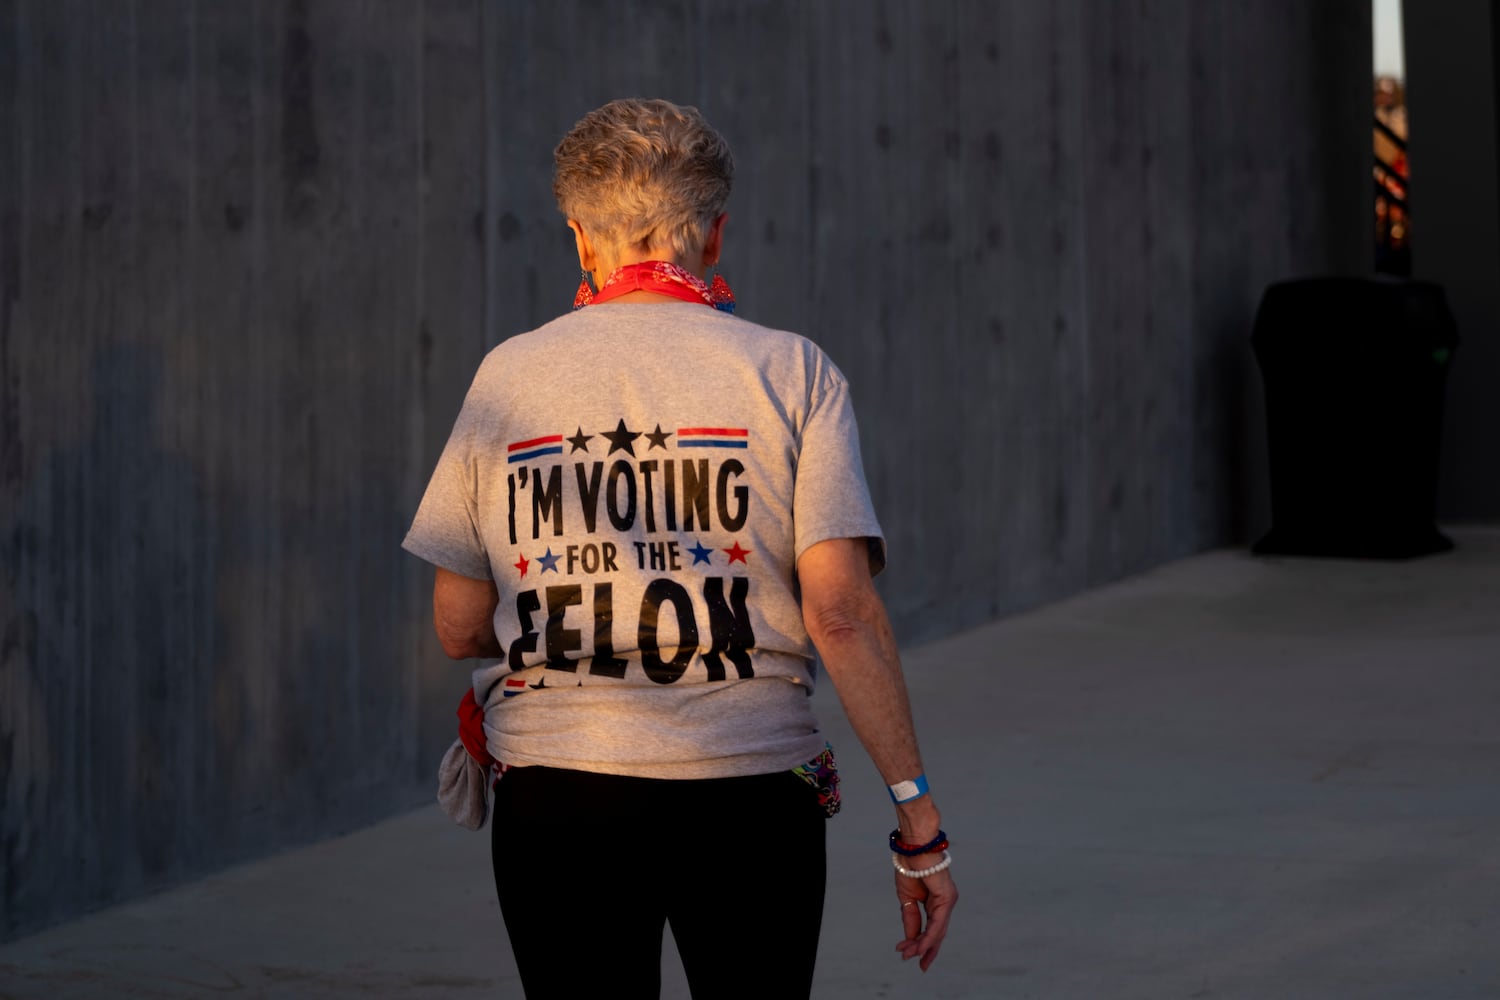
(713, 248)
(586, 257)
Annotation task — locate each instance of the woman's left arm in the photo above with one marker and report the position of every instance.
(849, 625)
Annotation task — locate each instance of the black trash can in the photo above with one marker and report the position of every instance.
(1354, 370)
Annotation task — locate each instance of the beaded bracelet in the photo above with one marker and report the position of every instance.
(921, 872)
(899, 846)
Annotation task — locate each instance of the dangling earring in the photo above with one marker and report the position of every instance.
(585, 293)
(719, 295)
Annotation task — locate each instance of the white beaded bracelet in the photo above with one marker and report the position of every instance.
(922, 872)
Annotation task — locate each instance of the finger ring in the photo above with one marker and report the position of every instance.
(909, 902)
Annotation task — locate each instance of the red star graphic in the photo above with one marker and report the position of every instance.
(737, 553)
(522, 565)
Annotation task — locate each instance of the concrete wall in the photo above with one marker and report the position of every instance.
(1452, 97)
(251, 253)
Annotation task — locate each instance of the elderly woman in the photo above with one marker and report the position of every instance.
(651, 512)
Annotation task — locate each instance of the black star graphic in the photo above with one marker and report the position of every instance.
(658, 437)
(579, 441)
(539, 684)
(621, 439)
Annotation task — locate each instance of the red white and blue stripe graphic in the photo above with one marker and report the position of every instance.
(535, 448)
(513, 687)
(713, 437)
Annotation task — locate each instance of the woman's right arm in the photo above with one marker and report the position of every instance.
(463, 613)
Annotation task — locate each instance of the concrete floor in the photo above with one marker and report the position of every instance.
(1229, 778)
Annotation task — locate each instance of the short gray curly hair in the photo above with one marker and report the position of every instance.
(641, 174)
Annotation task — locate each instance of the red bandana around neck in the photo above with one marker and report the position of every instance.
(661, 277)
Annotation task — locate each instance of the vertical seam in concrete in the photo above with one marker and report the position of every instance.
(488, 164)
(1079, 183)
(359, 217)
(1495, 90)
(953, 166)
(700, 39)
(259, 686)
(190, 306)
(12, 202)
(811, 273)
(419, 415)
(359, 223)
(137, 212)
(10, 884)
(23, 147)
(75, 267)
(188, 330)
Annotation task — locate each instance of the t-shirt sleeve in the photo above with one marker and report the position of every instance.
(830, 496)
(445, 531)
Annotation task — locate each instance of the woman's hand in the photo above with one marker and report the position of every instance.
(926, 906)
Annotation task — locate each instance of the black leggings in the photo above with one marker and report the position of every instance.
(590, 867)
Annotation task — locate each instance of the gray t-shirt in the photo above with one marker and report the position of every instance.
(639, 480)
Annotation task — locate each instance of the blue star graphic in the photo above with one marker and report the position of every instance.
(548, 561)
(700, 554)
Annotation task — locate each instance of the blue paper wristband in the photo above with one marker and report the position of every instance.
(905, 791)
